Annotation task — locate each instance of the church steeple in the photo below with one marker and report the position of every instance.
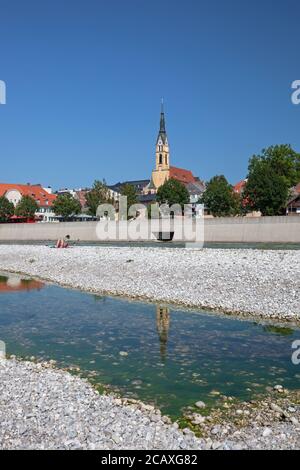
(162, 155)
(162, 127)
(162, 145)
(163, 171)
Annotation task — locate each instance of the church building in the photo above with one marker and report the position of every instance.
(164, 171)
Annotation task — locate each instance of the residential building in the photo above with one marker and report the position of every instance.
(239, 187)
(80, 195)
(296, 189)
(44, 199)
(293, 206)
(139, 186)
(63, 191)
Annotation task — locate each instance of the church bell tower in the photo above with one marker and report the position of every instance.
(162, 154)
(162, 145)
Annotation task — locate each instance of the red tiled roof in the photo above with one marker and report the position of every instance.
(182, 175)
(238, 188)
(81, 194)
(38, 193)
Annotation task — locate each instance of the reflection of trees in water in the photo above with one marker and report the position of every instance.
(163, 325)
(277, 330)
(16, 284)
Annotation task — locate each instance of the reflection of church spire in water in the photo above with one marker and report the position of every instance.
(163, 325)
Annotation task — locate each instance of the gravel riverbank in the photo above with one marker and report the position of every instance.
(46, 408)
(253, 282)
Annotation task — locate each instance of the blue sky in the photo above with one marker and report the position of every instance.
(85, 78)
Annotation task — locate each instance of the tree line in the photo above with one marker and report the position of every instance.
(270, 179)
(267, 189)
(66, 205)
(26, 208)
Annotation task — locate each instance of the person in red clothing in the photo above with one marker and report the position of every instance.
(63, 243)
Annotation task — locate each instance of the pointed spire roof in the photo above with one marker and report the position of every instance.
(162, 127)
(151, 184)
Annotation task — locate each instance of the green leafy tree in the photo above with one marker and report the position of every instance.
(271, 175)
(219, 198)
(266, 190)
(173, 192)
(99, 194)
(26, 207)
(283, 160)
(7, 209)
(129, 191)
(66, 205)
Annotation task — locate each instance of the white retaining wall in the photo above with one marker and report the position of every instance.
(247, 230)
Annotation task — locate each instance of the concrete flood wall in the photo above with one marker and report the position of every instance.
(234, 230)
(253, 230)
(84, 231)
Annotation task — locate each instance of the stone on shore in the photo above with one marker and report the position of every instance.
(262, 283)
(43, 408)
(46, 408)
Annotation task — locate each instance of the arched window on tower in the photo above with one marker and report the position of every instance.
(160, 159)
(166, 159)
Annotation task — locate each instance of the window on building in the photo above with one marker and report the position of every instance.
(160, 159)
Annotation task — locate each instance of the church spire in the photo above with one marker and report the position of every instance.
(162, 135)
(162, 145)
(162, 129)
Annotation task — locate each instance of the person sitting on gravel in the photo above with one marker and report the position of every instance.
(63, 243)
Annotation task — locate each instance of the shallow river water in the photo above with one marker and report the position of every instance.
(160, 354)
